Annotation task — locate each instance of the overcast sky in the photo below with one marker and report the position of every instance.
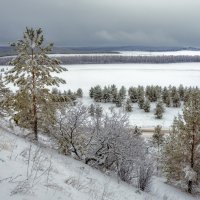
(104, 22)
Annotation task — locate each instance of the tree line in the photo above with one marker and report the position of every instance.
(114, 59)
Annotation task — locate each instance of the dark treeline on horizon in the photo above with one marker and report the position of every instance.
(112, 59)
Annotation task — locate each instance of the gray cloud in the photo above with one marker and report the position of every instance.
(104, 22)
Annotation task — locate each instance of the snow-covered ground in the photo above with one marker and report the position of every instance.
(29, 172)
(87, 76)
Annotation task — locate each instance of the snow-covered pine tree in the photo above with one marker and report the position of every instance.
(159, 109)
(91, 92)
(128, 106)
(168, 100)
(79, 93)
(4, 95)
(97, 93)
(147, 105)
(32, 74)
(141, 101)
(165, 94)
(106, 95)
(176, 100)
(181, 152)
(118, 101)
(181, 91)
(133, 94)
(158, 140)
(158, 136)
(114, 92)
(122, 92)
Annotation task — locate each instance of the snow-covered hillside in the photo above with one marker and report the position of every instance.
(30, 172)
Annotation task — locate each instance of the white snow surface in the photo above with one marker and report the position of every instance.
(66, 178)
(87, 76)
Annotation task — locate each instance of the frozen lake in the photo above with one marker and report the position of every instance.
(86, 76)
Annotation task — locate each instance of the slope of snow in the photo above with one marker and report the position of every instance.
(31, 172)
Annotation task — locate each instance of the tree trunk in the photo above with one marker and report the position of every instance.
(190, 187)
(35, 119)
(190, 183)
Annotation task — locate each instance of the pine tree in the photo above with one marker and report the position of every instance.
(128, 106)
(158, 136)
(5, 94)
(97, 93)
(118, 101)
(181, 91)
(158, 140)
(176, 100)
(91, 92)
(159, 110)
(32, 74)
(106, 96)
(141, 102)
(168, 100)
(146, 105)
(165, 94)
(79, 93)
(114, 93)
(122, 92)
(133, 94)
(181, 151)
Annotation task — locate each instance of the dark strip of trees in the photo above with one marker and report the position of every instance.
(111, 59)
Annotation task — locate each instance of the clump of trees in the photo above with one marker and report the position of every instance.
(181, 155)
(109, 94)
(104, 141)
(170, 96)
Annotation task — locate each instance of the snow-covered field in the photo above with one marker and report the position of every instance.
(87, 76)
(30, 172)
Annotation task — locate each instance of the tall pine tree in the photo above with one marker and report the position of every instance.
(32, 74)
(181, 151)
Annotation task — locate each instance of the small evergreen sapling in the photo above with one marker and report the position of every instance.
(159, 110)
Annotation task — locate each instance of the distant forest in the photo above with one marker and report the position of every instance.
(112, 59)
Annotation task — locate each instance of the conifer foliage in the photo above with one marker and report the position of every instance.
(32, 74)
(181, 151)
